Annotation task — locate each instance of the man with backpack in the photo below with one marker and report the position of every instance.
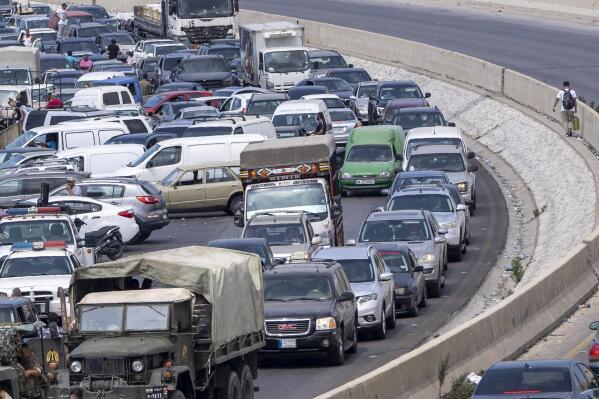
(569, 106)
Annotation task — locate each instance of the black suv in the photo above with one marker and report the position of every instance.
(391, 90)
(309, 310)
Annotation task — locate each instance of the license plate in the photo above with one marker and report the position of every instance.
(164, 216)
(157, 392)
(366, 181)
(287, 344)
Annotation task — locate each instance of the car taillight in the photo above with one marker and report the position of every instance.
(127, 214)
(594, 352)
(358, 124)
(148, 199)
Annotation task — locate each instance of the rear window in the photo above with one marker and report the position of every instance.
(56, 119)
(149, 188)
(525, 380)
(111, 98)
(35, 119)
(136, 126)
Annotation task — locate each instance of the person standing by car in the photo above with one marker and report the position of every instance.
(71, 60)
(569, 106)
(320, 125)
(113, 50)
(146, 86)
(72, 189)
(85, 64)
(54, 102)
(130, 61)
(27, 39)
(62, 22)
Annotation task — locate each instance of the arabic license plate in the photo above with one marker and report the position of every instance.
(287, 343)
(365, 181)
(157, 392)
(164, 216)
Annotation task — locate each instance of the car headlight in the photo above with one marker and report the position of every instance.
(346, 175)
(367, 298)
(326, 323)
(385, 174)
(450, 225)
(400, 291)
(137, 366)
(76, 367)
(380, 110)
(428, 258)
(462, 187)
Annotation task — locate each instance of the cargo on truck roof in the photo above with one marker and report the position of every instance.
(278, 152)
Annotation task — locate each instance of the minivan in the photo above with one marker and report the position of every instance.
(232, 125)
(157, 162)
(104, 97)
(105, 159)
(297, 117)
(435, 135)
(63, 137)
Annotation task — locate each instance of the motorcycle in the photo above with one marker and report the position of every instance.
(106, 241)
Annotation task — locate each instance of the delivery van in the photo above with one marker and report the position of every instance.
(104, 97)
(102, 161)
(297, 117)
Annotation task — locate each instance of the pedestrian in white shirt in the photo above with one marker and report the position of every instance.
(27, 39)
(62, 22)
(569, 106)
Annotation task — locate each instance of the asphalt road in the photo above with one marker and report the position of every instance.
(280, 378)
(549, 51)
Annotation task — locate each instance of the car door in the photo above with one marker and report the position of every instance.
(161, 164)
(347, 308)
(188, 191)
(111, 193)
(387, 287)
(220, 184)
(10, 192)
(90, 213)
(417, 276)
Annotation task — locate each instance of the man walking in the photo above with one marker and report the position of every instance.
(62, 19)
(569, 106)
(113, 50)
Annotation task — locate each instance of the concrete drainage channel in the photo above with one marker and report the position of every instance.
(506, 114)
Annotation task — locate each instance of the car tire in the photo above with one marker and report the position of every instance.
(435, 287)
(380, 331)
(413, 310)
(354, 346)
(423, 299)
(232, 388)
(337, 356)
(176, 395)
(247, 383)
(235, 204)
(464, 247)
(141, 237)
(391, 319)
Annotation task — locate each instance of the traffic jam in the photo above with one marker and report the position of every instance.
(114, 127)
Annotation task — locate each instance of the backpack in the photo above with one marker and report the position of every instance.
(568, 100)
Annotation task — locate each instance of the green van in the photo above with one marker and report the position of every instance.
(373, 155)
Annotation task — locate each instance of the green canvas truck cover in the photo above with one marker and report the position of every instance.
(288, 151)
(230, 280)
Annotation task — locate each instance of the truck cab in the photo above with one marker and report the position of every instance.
(21, 313)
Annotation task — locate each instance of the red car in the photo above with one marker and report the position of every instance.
(394, 105)
(73, 17)
(153, 104)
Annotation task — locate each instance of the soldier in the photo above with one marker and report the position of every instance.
(31, 379)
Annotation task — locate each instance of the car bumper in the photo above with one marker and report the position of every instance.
(453, 238)
(369, 314)
(379, 184)
(404, 302)
(312, 345)
(117, 392)
(153, 221)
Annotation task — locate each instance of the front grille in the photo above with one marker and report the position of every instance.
(212, 84)
(279, 328)
(38, 296)
(105, 366)
(204, 34)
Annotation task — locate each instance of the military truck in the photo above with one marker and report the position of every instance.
(197, 336)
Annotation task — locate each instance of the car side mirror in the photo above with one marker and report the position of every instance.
(594, 325)
(451, 124)
(352, 97)
(472, 168)
(440, 240)
(238, 220)
(385, 191)
(386, 276)
(350, 243)
(280, 261)
(471, 154)
(379, 209)
(150, 164)
(427, 95)
(462, 207)
(418, 269)
(350, 65)
(346, 296)
(316, 240)
(443, 231)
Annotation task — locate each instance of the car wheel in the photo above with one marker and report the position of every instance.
(354, 340)
(337, 355)
(391, 319)
(413, 310)
(247, 383)
(235, 204)
(423, 299)
(232, 388)
(467, 236)
(380, 331)
(435, 287)
(141, 237)
(464, 247)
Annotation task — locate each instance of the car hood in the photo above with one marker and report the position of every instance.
(366, 168)
(122, 346)
(126, 171)
(361, 289)
(549, 395)
(458, 177)
(202, 77)
(285, 251)
(445, 217)
(297, 309)
(420, 247)
(35, 283)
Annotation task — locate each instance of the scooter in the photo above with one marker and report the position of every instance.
(106, 241)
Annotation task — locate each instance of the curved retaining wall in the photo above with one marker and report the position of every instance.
(538, 305)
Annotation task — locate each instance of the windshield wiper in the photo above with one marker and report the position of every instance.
(156, 310)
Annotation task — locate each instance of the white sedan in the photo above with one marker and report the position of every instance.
(97, 214)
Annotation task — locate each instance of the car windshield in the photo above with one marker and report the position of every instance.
(427, 202)
(120, 39)
(204, 65)
(78, 46)
(98, 12)
(229, 53)
(366, 91)
(7, 155)
(370, 153)
(357, 270)
(343, 116)
(35, 266)
(277, 234)
(54, 63)
(98, 318)
(307, 121)
(442, 162)
(242, 246)
(35, 230)
(198, 113)
(455, 141)
(153, 101)
(171, 62)
(516, 380)
(394, 230)
(331, 61)
(396, 261)
(36, 23)
(352, 76)
(421, 180)
(162, 50)
(420, 119)
(150, 152)
(293, 288)
(298, 197)
(333, 103)
(335, 84)
(13, 77)
(204, 8)
(146, 317)
(171, 177)
(48, 37)
(265, 107)
(7, 316)
(22, 139)
(393, 92)
(286, 61)
(205, 131)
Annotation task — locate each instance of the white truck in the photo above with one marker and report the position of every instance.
(273, 55)
(19, 65)
(187, 21)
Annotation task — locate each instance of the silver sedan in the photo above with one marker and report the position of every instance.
(344, 121)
